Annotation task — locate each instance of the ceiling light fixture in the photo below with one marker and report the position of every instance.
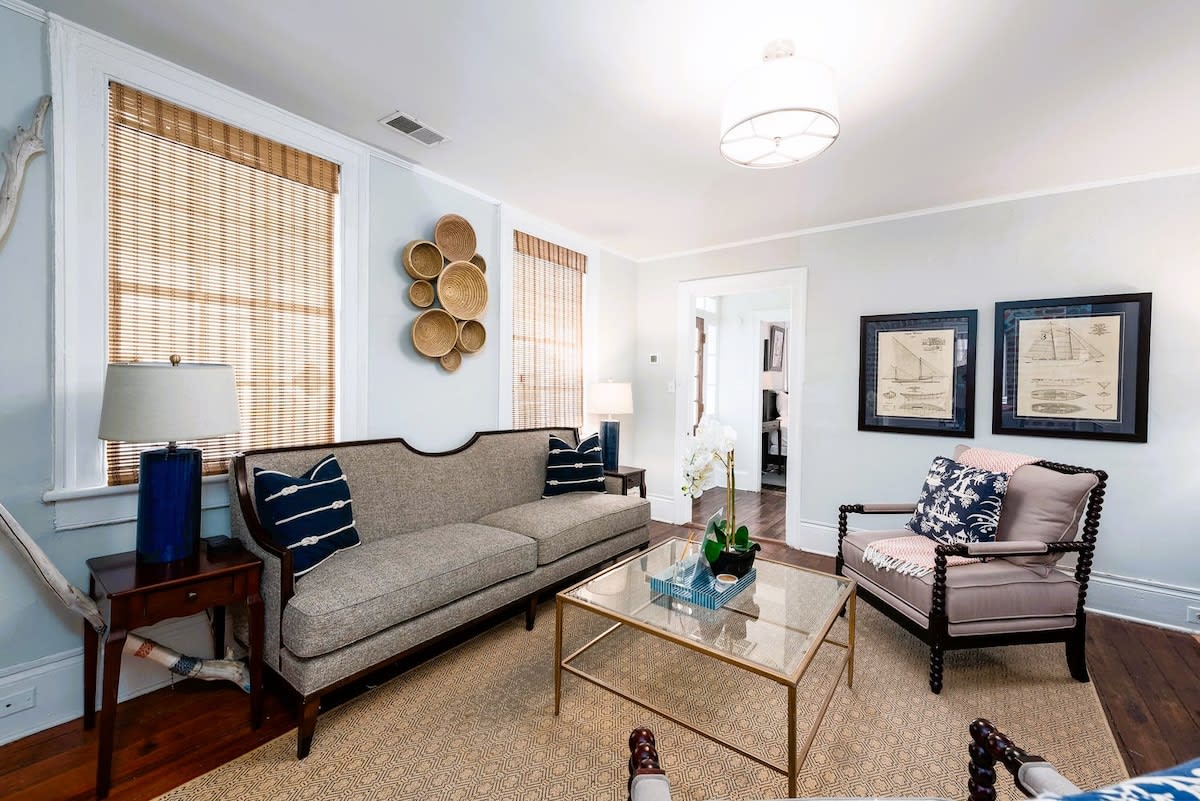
(780, 113)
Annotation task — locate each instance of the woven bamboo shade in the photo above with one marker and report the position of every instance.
(547, 333)
(221, 249)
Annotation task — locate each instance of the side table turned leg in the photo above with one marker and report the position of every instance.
(114, 645)
(91, 648)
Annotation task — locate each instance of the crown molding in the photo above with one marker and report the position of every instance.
(21, 7)
(906, 215)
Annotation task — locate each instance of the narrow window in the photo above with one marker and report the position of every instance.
(547, 333)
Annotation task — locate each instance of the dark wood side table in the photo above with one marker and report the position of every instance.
(630, 477)
(132, 595)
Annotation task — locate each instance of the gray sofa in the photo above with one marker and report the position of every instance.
(446, 539)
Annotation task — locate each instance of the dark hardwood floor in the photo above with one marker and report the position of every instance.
(762, 512)
(1147, 679)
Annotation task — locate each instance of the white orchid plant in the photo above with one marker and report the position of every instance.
(706, 450)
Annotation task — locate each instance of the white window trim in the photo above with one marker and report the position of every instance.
(81, 64)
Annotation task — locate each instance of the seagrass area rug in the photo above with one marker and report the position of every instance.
(478, 723)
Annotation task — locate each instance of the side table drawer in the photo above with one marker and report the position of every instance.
(187, 600)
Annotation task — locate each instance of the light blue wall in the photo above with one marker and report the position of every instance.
(410, 395)
(28, 627)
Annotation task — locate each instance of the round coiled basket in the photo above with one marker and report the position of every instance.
(455, 237)
(462, 290)
(422, 260)
(471, 336)
(434, 333)
(451, 361)
(421, 294)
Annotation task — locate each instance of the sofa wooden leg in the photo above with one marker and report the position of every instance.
(935, 668)
(1076, 661)
(309, 706)
(531, 612)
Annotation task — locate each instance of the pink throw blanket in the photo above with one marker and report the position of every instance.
(913, 555)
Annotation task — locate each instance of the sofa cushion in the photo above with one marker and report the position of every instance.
(1044, 505)
(959, 503)
(311, 515)
(574, 469)
(388, 581)
(568, 523)
(993, 590)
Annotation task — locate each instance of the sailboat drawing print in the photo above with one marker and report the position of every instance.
(1078, 351)
(919, 367)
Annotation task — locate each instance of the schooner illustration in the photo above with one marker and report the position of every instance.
(1061, 343)
(908, 366)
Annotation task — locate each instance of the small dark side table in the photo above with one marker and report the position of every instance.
(630, 477)
(133, 595)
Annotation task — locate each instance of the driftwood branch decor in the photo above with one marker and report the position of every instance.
(24, 146)
(81, 604)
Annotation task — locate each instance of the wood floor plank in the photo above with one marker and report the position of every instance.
(172, 735)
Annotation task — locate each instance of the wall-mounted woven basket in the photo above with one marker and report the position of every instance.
(421, 294)
(479, 262)
(455, 236)
(434, 333)
(471, 336)
(462, 290)
(422, 260)
(451, 361)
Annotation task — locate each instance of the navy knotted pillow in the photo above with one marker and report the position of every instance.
(959, 503)
(574, 469)
(311, 514)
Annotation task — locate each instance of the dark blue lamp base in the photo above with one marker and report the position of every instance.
(610, 439)
(168, 525)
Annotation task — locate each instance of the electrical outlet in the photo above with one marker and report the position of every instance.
(18, 702)
(1193, 615)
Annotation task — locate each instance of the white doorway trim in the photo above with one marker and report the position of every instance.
(794, 282)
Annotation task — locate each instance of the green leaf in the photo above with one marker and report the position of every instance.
(741, 538)
(712, 550)
(713, 525)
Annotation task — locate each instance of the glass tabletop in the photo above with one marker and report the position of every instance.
(770, 626)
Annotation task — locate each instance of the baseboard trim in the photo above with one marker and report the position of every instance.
(57, 679)
(1139, 600)
(662, 508)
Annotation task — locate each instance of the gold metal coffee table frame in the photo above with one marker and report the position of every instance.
(845, 600)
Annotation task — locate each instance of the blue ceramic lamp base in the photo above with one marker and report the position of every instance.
(610, 443)
(168, 525)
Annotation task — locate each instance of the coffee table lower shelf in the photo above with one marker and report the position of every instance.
(795, 758)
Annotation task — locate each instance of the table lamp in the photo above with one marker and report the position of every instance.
(609, 399)
(157, 402)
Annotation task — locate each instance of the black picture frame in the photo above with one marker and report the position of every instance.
(777, 345)
(1083, 373)
(934, 396)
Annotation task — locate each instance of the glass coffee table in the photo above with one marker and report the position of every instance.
(781, 620)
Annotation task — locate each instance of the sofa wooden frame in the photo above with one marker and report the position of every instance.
(937, 635)
(309, 705)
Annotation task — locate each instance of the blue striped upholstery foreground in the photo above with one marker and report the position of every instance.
(574, 469)
(310, 514)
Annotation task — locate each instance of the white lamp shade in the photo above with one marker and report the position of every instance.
(782, 112)
(611, 398)
(156, 402)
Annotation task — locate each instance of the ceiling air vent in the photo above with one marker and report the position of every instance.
(413, 128)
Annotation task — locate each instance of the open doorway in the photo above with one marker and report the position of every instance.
(739, 369)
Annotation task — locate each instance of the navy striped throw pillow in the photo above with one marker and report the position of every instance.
(311, 514)
(574, 469)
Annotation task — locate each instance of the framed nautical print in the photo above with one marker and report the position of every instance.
(1073, 367)
(916, 373)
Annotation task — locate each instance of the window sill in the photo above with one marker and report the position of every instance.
(89, 507)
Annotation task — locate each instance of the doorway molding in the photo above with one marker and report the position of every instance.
(791, 283)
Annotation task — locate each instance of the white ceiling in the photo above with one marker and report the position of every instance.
(602, 115)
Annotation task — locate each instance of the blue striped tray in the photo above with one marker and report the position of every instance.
(697, 585)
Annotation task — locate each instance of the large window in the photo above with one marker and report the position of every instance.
(222, 249)
(547, 333)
